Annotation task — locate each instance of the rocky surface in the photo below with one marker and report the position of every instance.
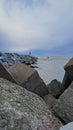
(0, 53)
(50, 102)
(23, 110)
(25, 76)
(69, 64)
(55, 88)
(8, 59)
(4, 73)
(64, 106)
(68, 77)
(28, 78)
(66, 81)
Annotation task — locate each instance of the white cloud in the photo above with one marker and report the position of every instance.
(39, 24)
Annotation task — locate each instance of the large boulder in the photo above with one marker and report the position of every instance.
(69, 64)
(28, 78)
(68, 77)
(54, 88)
(66, 81)
(0, 53)
(25, 76)
(23, 110)
(50, 102)
(4, 73)
(64, 106)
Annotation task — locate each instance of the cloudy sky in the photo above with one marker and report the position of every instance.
(44, 27)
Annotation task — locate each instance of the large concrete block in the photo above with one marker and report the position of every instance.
(68, 77)
(69, 69)
(4, 73)
(64, 106)
(28, 78)
(23, 110)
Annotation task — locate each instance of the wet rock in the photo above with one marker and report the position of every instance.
(34, 66)
(29, 60)
(64, 106)
(28, 78)
(55, 88)
(23, 110)
(8, 59)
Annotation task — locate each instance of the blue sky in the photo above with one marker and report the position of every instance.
(44, 27)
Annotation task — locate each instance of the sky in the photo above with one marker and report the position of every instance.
(44, 27)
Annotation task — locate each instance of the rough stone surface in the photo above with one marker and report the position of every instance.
(66, 81)
(28, 78)
(50, 102)
(69, 64)
(8, 59)
(23, 110)
(4, 73)
(64, 106)
(54, 88)
(0, 53)
(68, 78)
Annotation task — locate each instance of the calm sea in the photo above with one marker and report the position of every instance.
(50, 68)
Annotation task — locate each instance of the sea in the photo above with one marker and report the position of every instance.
(69, 126)
(52, 67)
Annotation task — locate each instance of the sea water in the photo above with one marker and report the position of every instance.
(50, 68)
(69, 126)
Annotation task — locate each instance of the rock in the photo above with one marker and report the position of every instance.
(66, 81)
(34, 59)
(69, 64)
(4, 73)
(68, 78)
(55, 88)
(28, 78)
(34, 66)
(0, 53)
(64, 106)
(50, 102)
(23, 110)
(30, 60)
(8, 59)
